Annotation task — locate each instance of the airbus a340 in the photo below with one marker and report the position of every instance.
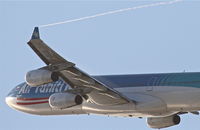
(60, 88)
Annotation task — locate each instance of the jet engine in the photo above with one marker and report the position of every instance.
(64, 100)
(162, 122)
(40, 77)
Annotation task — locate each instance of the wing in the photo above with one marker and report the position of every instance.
(82, 83)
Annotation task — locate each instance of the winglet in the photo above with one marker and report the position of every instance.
(35, 34)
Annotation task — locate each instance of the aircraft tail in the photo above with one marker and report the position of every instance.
(35, 34)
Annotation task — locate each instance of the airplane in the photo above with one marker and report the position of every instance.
(60, 88)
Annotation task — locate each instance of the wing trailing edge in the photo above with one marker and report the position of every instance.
(76, 78)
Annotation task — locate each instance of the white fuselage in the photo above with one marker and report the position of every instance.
(152, 101)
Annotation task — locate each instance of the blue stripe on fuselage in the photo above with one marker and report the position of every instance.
(114, 81)
(169, 79)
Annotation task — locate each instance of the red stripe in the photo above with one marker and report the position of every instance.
(31, 103)
(26, 99)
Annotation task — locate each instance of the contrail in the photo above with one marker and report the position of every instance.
(112, 12)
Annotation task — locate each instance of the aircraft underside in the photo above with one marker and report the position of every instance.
(160, 102)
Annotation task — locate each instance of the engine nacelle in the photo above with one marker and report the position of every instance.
(162, 122)
(64, 100)
(40, 77)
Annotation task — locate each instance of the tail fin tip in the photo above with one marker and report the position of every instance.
(36, 34)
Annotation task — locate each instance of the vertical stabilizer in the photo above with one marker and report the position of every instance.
(35, 34)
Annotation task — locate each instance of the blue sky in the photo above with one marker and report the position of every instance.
(149, 40)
